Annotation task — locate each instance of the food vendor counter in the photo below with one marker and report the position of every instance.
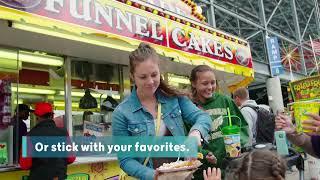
(84, 168)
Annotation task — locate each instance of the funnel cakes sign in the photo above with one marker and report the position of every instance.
(135, 21)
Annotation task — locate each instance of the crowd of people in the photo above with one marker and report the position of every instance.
(202, 112)
(156, 109)
(40, 168)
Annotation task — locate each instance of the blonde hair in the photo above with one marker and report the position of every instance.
(242, 93)
(145, 52)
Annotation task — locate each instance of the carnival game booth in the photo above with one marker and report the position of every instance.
(63, 51)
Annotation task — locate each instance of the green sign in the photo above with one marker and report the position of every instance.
(78, 176)
(3, 153)
(25, 177)
(306, 89)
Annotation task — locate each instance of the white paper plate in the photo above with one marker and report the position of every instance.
(196, 165)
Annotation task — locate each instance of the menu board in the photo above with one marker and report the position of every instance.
(300, 109)
(306, 89)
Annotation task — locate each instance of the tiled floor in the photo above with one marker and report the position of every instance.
(294, 174)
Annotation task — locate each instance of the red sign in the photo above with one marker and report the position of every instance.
(150, 26)
(191, 40)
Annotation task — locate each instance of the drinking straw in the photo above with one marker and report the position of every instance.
(229, 116)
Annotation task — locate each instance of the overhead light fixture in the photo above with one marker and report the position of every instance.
(62, 104)
(9, 54)
(91, 38)
(79, 94)
(40, 58)
(31, 57)
(32, 90)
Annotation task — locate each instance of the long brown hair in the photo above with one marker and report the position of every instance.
(258, 165)
(141, 54)
(193, 76)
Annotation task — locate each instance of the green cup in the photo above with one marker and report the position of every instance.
(231, 136)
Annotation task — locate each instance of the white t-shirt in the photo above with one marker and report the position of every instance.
(163, 128)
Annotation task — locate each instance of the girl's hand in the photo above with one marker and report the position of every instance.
(211, 158)
(212, 174)
(284, 123)
(313, 124)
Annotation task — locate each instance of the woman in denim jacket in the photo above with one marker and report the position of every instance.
(137, 114)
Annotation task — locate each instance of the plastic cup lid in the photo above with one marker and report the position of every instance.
(260, 146)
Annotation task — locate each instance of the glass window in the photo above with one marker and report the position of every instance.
(95, 94)
(9, 70)
(26, 77)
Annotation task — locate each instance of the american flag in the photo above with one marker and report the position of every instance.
(309, 56)
(316, 46)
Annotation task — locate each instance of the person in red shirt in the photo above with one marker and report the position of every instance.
(46, 168)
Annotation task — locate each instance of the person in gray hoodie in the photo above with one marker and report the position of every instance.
(245, 104)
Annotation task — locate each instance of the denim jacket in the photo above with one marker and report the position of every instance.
(130, 118)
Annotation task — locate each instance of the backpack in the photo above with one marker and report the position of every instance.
(265, 124)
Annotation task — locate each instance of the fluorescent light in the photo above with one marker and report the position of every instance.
(9, 54)
(32, 90)
(30, 57)
(62, 103)
(40, 58)
(78, 94)
(91, 38)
